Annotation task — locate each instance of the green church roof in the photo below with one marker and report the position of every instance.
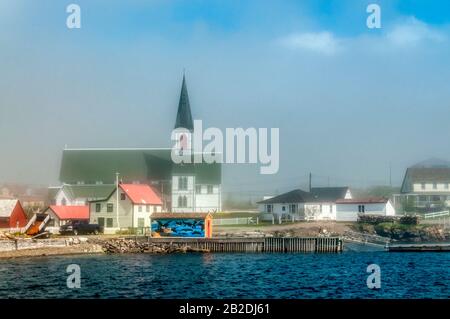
(100, 165)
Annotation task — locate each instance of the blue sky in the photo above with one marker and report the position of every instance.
(349, 101)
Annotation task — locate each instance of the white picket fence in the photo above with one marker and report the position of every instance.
(236, 221)
(436, 214)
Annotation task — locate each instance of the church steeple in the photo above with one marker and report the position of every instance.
(184, 116)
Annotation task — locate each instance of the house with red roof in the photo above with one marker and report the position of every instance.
(128, 206)
(61, 215)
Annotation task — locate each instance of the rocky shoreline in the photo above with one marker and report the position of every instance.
(405, 233)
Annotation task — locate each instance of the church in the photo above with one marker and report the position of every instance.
(184, 187)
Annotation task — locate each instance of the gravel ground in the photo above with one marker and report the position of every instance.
(295, 229)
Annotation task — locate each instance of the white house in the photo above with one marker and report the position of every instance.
(318, 204)
(349, 209)
(130, 208)
(80, 194)
(425, 186)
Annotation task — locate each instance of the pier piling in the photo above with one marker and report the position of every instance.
(266, 244)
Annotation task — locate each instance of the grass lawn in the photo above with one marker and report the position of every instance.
(235, 214)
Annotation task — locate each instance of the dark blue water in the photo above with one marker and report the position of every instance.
(403, 275)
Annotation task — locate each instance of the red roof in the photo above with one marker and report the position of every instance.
(71, 212)
(141, 194)
(367, 200)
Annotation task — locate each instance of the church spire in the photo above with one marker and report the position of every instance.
(184, 116)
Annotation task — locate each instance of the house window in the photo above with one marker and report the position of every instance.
(361, 208)
(98, 207)
(292, 208)
(98, 183)
(122, 196)
(101, 221)
(109, 222)
(147, 208)
(283, 208)
(210, 189)
(423, 185)
(269, 208)
(155, 209)
(139, 208)
(182, 183)
(64, 202)
(109, 208)
(182, 201)
(198, 189)
(434, 185)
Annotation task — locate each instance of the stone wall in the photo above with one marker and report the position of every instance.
(20, 244)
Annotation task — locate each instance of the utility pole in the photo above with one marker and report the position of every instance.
(117, 199)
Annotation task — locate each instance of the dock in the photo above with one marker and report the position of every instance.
(264, 244)
(444, 247)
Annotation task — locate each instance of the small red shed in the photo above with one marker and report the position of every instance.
(12, 214)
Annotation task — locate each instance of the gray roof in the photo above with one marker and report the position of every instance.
(329, 194)
(424, 175)
(295, 196)
(7, 207)
(317, 194)
(184, 116)
(89, 192)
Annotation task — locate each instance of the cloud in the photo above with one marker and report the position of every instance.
(413, 32)
(409, 33)
(320, 42)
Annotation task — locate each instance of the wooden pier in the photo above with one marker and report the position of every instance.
(265, 244)
(444, 247)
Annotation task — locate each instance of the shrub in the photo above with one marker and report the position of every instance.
(374, 219)
(409, 220)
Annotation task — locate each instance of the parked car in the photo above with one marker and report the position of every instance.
(80, 228)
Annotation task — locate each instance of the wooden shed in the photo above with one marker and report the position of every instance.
(181, 225)
(12, 214)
